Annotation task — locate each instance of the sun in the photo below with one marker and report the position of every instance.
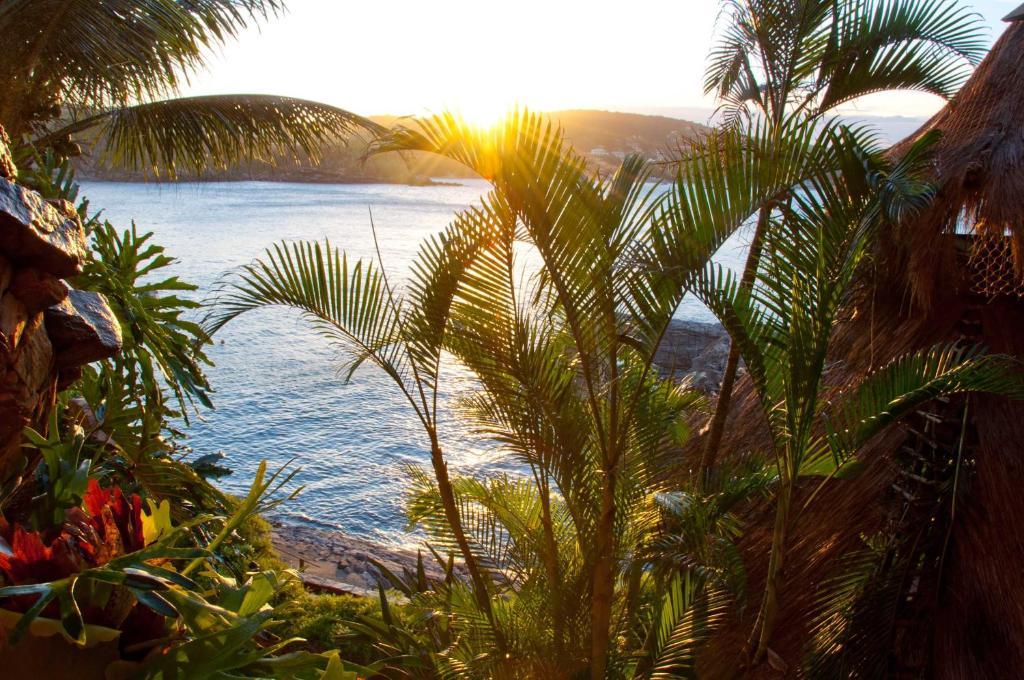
(484, 113)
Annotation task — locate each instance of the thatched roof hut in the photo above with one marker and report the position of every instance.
(954, 273)
(979, 167)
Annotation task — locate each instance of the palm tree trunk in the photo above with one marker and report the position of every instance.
(716, 429)
(604, 581)
(454, 519)
(551, 565)
(766, 619)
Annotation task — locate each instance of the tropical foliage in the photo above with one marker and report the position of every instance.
(558, 559)
(788, 64)
(116, 544)
(104, 76)
(567, 382)
(613, 552)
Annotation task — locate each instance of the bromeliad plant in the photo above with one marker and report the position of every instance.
(115, 569)
(115, 541)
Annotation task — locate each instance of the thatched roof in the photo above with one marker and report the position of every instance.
(1015, 15)
(978, 166)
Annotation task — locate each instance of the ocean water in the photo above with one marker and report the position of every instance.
(278, 395)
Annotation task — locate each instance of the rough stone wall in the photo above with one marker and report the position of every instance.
(47, 330)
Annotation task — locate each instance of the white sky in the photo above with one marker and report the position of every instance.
(482, 57)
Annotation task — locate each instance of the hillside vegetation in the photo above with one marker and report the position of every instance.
(604, 138)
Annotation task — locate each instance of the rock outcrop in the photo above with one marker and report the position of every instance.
(696, 351)
(47, 330)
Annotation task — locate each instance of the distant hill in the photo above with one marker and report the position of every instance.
(604, 138)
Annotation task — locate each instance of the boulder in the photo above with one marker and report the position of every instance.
(695, 350)
(7, 167)
(38, 290)
(33, 361)
(34, 233)
(13, 317)
(82, 329)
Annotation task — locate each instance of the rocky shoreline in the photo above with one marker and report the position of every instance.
(332, 561)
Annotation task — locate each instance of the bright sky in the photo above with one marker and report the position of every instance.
(484, 56)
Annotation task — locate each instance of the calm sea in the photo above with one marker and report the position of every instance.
(278, 396)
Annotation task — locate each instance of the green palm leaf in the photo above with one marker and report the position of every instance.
(908, 382)
(690, 612)
(195, 133)
(89, 55)
(349, 303)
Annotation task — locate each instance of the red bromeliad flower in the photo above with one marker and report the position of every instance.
(116, 519)
(32, 561)
(112, 527)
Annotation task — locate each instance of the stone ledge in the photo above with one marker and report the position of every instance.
(82, 329)
(34, 233)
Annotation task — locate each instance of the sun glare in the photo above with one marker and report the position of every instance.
(484, 114)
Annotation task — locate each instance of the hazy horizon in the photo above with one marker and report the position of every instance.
(482, 59)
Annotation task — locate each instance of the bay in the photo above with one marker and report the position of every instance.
(278, 395)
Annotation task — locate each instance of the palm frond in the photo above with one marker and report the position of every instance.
(349, 303)
(908, 382)
(192, 134)
(98, 54)
(689, 614)
(878, 45)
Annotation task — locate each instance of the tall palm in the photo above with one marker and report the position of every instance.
(782, 327)
(779, 59)
(106, 73)
(565, 363)
(617, 284)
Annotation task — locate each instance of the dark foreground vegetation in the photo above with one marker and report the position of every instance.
(818, 518)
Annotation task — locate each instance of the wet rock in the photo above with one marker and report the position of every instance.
(38, 290)
(82, 329)
(695, 350)
(34, 233)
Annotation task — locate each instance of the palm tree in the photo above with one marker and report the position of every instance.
(105, 74)
(780, 59)
(565, 363)
(782, 326)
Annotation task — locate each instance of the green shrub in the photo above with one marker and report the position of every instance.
(321, 620)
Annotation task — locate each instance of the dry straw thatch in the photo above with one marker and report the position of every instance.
(979, 168)
(967, 618)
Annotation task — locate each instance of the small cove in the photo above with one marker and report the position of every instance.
(278, 395)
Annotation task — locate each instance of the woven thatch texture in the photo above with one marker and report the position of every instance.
(978, 165)
(978, 621)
